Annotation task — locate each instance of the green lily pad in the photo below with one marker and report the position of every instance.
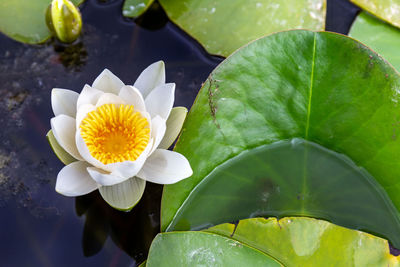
(378, 35)
(203, 249)
(388, 10)
(225, 25)
(294, 177)
(310, 242)
(135, 8)
(25, 21)
(319, 86)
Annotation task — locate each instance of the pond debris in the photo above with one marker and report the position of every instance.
(73, 56)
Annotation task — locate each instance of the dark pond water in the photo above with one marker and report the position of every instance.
(39, 227)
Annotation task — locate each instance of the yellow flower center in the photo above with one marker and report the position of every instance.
(115, 133)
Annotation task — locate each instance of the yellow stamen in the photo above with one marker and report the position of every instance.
(115, 133)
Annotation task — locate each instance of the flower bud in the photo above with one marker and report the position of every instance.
(64, 20)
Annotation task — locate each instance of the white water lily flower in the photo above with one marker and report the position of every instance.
(118, 135)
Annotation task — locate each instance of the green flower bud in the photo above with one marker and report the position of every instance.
(64, 20)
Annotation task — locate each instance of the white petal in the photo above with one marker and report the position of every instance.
(73, 180)
(132, 96)
(88, 95)
(64, 101)
(174, 125)
(108, 82)
(107, 98)
(160, 100)
(129, 168)
(64, 129)
(158, 128)
(124, 196)
(165, 167)
(105, 178)
(150, 78)
(82, 112)
(84, 152)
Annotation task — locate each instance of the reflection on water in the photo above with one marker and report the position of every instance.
(131, 231)
(40, 227)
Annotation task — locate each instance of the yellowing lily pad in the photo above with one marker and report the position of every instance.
(310, 242)
(291, 241)
(388, 10)
(225, 25)
(378, 35)
(25, 21)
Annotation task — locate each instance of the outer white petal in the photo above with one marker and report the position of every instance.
(64, 130)
(124, 196)
(64, 101)
(160, 100)
(108, 82)
(158, 128)
(132, 96)
(150, 78)
(105, 178)
(174, 125)
(108, 98)
(84, 152)
(89, 95)
(165, 167)
(82, 112)
(74, 180)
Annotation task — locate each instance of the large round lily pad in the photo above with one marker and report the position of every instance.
(319, 86)
(24, 20)
(225, 25)
(378, 35)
